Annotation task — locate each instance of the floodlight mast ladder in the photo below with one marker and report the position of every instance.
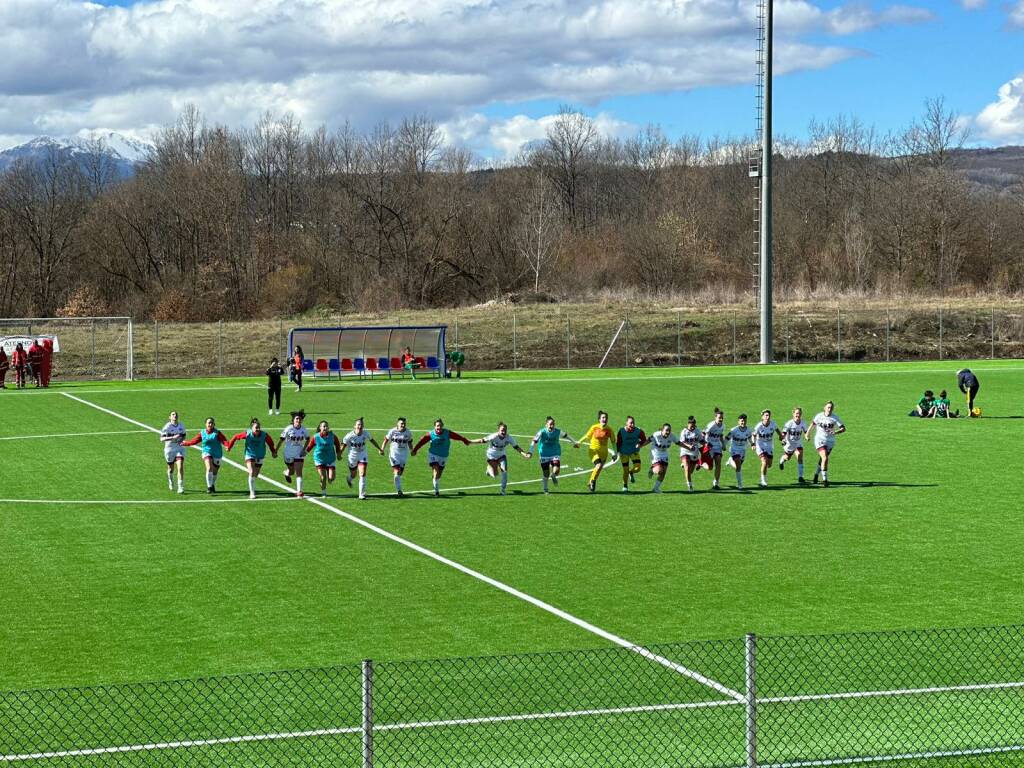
(760, 170)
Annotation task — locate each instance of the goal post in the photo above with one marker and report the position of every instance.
(369, 350)
(100, 348)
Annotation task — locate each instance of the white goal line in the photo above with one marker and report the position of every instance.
(564, 715)
(500, 585)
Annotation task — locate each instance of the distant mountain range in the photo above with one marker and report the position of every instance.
(125, 152)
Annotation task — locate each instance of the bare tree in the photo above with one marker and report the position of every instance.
(537, 236)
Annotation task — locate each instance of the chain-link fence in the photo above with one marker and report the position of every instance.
(550, 337)
(918, 697)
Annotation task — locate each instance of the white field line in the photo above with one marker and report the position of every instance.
(897, 692)
(137, 389)
(896, 758)
(75, 434)
(131, 502)
(544, 606)
(533, 716)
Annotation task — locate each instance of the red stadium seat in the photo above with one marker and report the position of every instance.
(346, 364)
(396, 363)
(321, 364)
(422, 361)
(371, 364)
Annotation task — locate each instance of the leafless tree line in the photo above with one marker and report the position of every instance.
(273, 219)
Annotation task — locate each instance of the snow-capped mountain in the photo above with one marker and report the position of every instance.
(124, 151)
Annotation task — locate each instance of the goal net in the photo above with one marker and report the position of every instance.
(83, 347)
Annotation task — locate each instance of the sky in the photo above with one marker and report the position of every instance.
(493, 73)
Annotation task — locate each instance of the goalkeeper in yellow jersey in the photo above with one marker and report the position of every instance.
(629, 440)
(598, 439)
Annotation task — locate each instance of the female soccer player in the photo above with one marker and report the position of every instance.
(828, 425)
(599, 435)
(549, 438)
(689, 452)
(294, 438)
(714, 435)
(497, 445)
(764, 440)
(398, 441)
(256, 443)
(356, 441)
(274, 374)
(297, 361)
(172, 436)
(440, 439)
(213, 441)
(793, 433)
(19, 362)
(739, 438)
(325, 447)
(661, 441)
(628, 442)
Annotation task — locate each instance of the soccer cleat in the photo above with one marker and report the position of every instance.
(592, 486)
(815, 480)
(716, 487)
(782, 463)
(209, 489)
(801, 481)
(554, 479)
(764, 483)
(323, 493)
(252, 495)
(689, 486)
(632, 477)
(401, 495)
(287, 477)
(270, 412)
(181, 489)
(625, 489)
(437, 492)
(348, 479)
(824, 484)
(299, 495)
(170, 486)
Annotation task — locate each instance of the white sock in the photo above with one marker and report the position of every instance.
(657, 485)
(689, 485)
(252, 484)
(209, 479)
(181, 482)
(764, 478)
(362, 485)
(824, 475)
(504, 481)
(437, 484)
(298, 484)
(170, 480)
(739, 477)
(544, 482)
(398, 483)
(715, 482)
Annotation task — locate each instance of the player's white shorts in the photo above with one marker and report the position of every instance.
(550, 461)
(355, 459)
(739, 452)
(172, 453)
(828, 443)
(792, 447)
(433, 458)
(659, 457)
(765, 448)
(688, 454)
(326, 466)
(254, 460)
(294, 455)
(715, 449)
(213, 459)
(494, 456)
(399, 461)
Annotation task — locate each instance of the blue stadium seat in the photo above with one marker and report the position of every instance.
(359, 364)
(334, 365)
(307, 364)
(432, 363)
(383, 364)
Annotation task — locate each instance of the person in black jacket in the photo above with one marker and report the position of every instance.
(274, 374)
(969, 385)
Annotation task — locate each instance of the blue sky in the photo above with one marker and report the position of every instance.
(493, 72)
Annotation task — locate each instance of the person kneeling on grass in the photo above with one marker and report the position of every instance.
(256, 443)
(923, 409)
(497, 461)
(941, 407)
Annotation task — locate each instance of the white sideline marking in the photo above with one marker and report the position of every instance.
(585, 625)
(138, 389)
(184, 744)
(895, 758)
(221, 500)
(898, 692)
(75, 434)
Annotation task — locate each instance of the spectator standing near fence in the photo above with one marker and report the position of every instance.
(47, 361)
(297, 361)
(274, 374)
(35, 359)
(456, 359)
(5, 365)
(19, 361)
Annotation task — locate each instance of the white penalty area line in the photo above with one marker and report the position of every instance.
(536, 602)
(76, 434)
(138, 502)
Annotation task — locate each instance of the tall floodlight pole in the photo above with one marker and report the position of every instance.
(765, 249)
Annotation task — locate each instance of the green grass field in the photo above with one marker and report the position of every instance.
(113, 579)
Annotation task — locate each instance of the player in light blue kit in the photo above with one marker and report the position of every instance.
(549, 438)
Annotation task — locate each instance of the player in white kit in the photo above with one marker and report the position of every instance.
(714, 436)
(497, 445)
(661, 442)
(398, 442)
(739, 438)
(793, 433)
(764, 443)
(692, 440)
(172, 436)
(294, 437)
(355, 441)
(825, 426)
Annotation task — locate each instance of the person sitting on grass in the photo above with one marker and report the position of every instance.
(941, 409)
(409, 362)
(456, 359)
(924, 406)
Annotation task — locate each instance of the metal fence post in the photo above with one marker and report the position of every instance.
(94, 348)
(367, 713)
(679, 338)
(992, 355)
(734, 360)
(751, 699)
(839, 335)
(626, 321)
(515, 353)
(281, 335)
(888, 323)
(786, 321)
(220, 347)
(131, 351)
(456, 331)
(568, 342)
(940, 333)
(156, 349)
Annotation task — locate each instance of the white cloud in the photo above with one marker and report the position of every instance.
(72, 65)
(1017, 14)
(972, 5)
(1003, 119)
